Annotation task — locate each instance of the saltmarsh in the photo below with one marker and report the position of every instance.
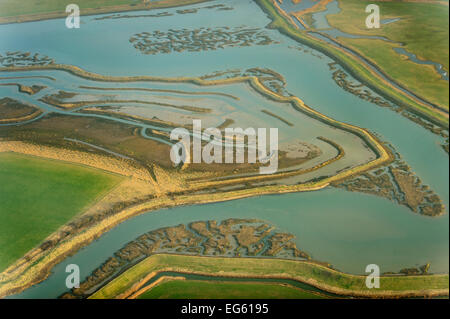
(313, 274)
(38, 196)
(199, 289)
(422, 29)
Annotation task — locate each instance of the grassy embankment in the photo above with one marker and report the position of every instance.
(353, 65)
(199, 289)
(39, 196)
(33, 10)
(423, 31)
(12, 111)
(313, 274)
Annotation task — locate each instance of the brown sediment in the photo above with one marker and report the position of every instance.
(27, 77)
(125, 139)
(359, 90)
(163, 266)
(217, 74)
(445, 146)
(380, 85)
(298, 104)
(271, 79)
(442, 111)
(140, 185)
(22, 118)
(134, 295)
(30, 272)
(130, 16)
(162, 14)
(19, 58)
(443, 132)
(159, 90)
(13, 111)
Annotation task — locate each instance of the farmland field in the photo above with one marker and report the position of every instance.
(39, 196)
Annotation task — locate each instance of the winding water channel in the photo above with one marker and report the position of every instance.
(349, 230)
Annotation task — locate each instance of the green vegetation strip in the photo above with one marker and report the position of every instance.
(199, 289)
(310, 273)
(39, 196)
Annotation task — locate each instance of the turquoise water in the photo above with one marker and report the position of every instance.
(349, 230)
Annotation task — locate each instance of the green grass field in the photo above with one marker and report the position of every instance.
(38, 196)
(422, 28)
(257, 267)
(9, 8)
(199, 289)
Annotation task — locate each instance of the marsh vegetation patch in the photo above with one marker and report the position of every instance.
(201, 39)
